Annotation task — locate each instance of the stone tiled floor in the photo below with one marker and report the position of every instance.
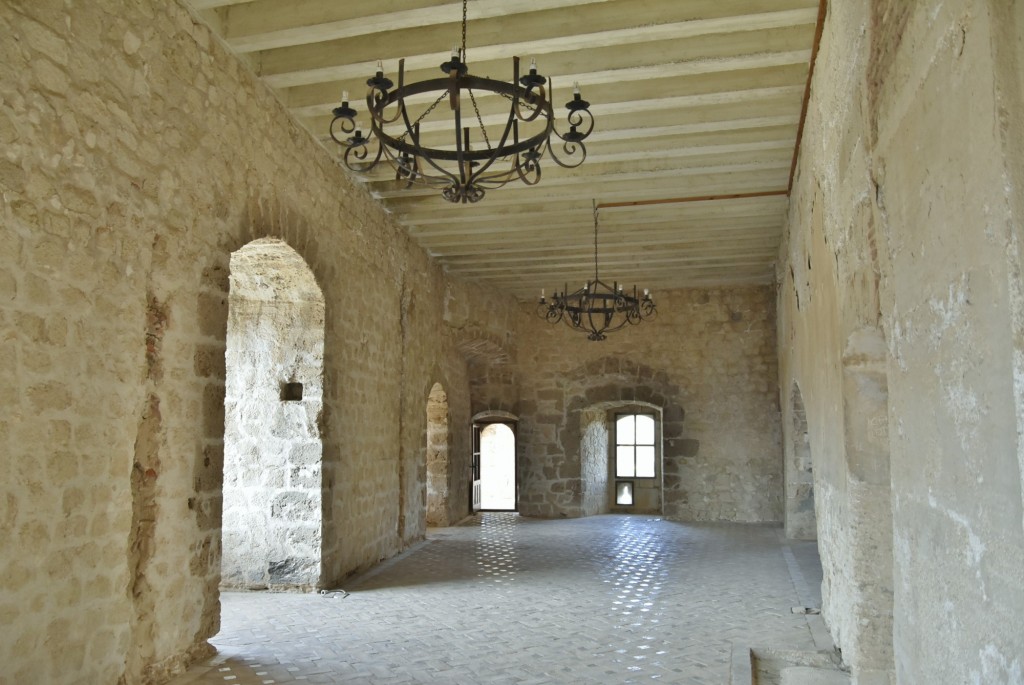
(504, 599)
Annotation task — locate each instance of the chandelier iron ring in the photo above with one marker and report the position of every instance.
(597, 308)
(378, 108)
(463, 174)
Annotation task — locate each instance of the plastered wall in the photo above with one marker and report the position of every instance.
(135, 156)
(708, 361)
(899, 322)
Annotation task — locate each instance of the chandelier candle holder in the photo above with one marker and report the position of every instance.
(466, 168)
(597, 308)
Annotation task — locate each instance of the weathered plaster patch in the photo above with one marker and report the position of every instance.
(975, 549)
(901, 332)
(958, 394)
(951, 311)
(996, 668)
(1016, 296)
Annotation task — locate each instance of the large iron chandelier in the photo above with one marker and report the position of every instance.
(462, 173)
(597, 308)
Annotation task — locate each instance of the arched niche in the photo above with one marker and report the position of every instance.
(801, 522)
(437, 483)
(272, 515)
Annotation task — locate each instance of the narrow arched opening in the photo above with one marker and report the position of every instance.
(498, 467)
(801, 523)
(438, 440)
(272, 515)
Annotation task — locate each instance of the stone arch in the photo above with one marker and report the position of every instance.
(437, 483)
(801, 523)
(489, 415)
(273, 450)
(596, 472)
(551, 467)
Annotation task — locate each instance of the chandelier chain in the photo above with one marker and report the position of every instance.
(423, 116)
(479, 119)
(522, 103)
(597, 308)
(464, 3)
(476, 108)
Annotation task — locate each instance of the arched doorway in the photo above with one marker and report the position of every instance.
(801, 523)
(498, 467)
(438, 441)
(272, 520)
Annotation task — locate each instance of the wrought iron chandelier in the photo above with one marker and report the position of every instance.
(462, 173)
(597, 308)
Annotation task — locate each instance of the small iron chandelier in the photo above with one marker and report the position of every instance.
(462, 173)
(596, 308)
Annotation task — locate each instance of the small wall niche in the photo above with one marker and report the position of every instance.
(624, 492)
(291, 392)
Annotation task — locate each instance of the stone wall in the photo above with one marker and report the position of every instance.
(708, 361)
(594, 461)
(899, 320)
(137, 155)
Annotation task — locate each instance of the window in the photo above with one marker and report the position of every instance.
(634, 446)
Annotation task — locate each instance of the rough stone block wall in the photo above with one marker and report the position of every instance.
(137, 155)
(439, 438)
(708, 361)
(594, 457)
(899, 318)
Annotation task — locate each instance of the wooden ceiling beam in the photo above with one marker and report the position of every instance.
(768, 238)
(325, 96)
(305, 64)
(558, 260)
(580, 217)
(611, 266)
(268, 30)
(605, 191)
(518, 241)
(648, 279)
(669, 278)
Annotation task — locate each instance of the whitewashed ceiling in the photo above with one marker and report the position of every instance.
(698, 105)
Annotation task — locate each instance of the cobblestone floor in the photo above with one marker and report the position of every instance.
(504, 599)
